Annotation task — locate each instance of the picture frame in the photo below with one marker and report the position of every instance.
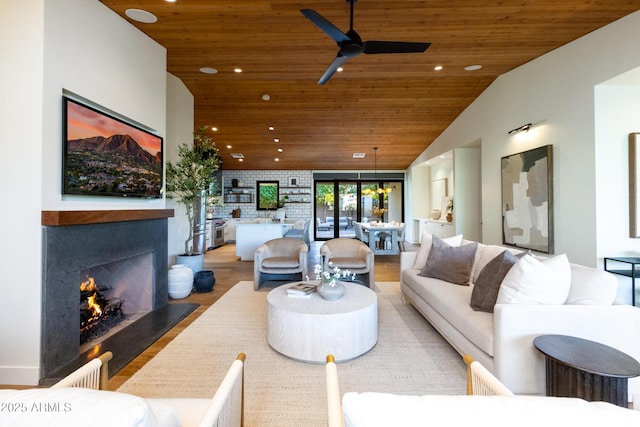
(634, 185)
(294, 181)
(527, 199)
(106, 155)
(268, 195)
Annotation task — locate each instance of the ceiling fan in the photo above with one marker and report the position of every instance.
(351, 44)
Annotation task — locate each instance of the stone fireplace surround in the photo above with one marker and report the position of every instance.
(74, 241)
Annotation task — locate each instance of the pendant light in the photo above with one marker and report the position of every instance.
(379, 190)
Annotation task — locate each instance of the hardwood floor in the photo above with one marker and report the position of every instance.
(229, 270)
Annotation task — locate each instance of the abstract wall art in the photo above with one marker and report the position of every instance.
(527, 199)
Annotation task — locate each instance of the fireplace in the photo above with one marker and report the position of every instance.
(124, 251)
(113, 295)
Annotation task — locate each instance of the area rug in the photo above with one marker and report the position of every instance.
(409, 358)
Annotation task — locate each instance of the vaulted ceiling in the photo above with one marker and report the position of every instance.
(396, 102)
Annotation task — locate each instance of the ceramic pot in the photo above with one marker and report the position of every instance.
(180, 281)
(331, 291)
(204, 280)
(449, 217)
(195, 261)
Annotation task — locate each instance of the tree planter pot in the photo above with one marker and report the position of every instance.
(195, 261)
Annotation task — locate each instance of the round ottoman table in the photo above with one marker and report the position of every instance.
(308, 328)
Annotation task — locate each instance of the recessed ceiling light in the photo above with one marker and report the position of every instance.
(438, 68)
(237, 70)
(237, 155)
(241, 160)
(266, 97)
(228, 146)
(208, 70)
(472, 67)
(340, 69)
(271, 128)
(358, 155)
(140, 15)
(280, 150)
(215, 129)
(170, 1)
(276, 140)
(276, 159)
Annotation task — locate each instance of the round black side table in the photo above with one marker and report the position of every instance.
(576, 367)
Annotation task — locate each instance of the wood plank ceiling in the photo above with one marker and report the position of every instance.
(396, 102)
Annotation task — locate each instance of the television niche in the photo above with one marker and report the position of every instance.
(106, 156)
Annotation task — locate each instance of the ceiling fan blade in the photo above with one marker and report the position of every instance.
(373, 47)
(332, 68)
(326, 26)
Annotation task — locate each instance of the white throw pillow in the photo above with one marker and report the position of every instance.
(531, 281)
(425, 247)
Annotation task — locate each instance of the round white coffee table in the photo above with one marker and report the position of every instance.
(309, 328)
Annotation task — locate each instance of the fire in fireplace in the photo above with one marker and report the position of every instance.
(98, 313)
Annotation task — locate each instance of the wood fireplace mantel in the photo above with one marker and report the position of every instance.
(62, 218)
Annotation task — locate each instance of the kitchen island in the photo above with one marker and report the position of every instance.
(251, 234)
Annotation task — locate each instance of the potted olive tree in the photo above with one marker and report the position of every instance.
(191, 182)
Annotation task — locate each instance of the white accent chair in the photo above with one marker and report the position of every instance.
(352, 255)
(93, 374)
(481, 382)
(283, 257)
(225, 409)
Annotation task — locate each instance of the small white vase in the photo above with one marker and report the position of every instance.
(331, 291)
(180, 281)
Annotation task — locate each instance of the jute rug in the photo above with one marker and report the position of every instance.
(409, 358)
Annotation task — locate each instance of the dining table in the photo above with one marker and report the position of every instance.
(383, 237)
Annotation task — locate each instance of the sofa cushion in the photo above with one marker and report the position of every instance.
(486, 288)
(590, 286)
(450, 263)
(348, 262)
(425, 247)
(281, 262)
(452, 303)
(531, 281)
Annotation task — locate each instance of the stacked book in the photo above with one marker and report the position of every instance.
(301, 289)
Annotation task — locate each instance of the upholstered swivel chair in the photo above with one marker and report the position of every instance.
(352, 255)
(300, 233)
(285, 257)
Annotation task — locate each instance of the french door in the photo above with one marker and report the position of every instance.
(338, 203)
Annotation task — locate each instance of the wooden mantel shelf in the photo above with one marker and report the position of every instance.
(61, 218)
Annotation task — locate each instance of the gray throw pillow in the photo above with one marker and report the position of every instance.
(450, 263)
(485, 290)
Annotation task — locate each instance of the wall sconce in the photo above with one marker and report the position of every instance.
(523, 128)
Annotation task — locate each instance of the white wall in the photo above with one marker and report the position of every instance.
(47, 46)
(555, 92)
(180, 118)
(617, 115)
(21, 69)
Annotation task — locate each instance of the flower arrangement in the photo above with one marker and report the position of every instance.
(378, 211)
(333, 275)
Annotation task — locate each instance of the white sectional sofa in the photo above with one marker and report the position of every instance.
(503, 340)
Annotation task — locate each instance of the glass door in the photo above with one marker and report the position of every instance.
(381, 201)
(335, 210)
